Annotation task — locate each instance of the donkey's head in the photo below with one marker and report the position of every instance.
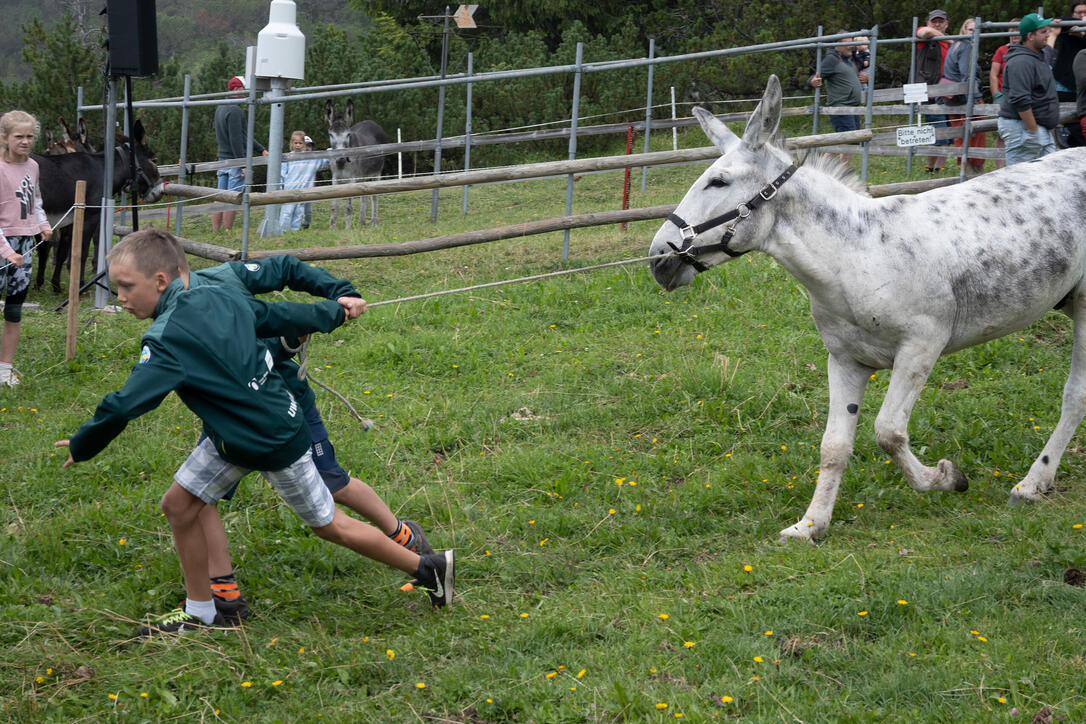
(339, 131)
(716, 214)
(147, 184)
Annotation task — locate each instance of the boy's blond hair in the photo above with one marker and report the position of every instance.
(150, 251)
(298, 134)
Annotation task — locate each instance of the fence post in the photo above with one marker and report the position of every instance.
(967, 124)
(250, 134)
(440, 113)
(573, 144)
(183, 151)
(868, 114)
(467, 139)
(648, 109)
(626, 176)
(912, 78)
(674, 128)
(817, 91)
(105, 229)
(76, 266)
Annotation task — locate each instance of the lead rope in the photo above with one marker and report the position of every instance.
(367, 424)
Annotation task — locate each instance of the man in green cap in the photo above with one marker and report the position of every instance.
(1030, 107)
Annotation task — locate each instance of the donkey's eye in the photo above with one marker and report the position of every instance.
(717, 183)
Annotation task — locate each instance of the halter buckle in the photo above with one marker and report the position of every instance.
(687, 233)
(743, 210)
(768, 191)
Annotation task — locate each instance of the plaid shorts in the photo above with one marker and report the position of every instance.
(207, 476)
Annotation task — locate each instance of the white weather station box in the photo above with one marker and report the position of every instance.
(280, 46)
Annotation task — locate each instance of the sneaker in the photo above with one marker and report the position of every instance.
(8, 378)
(436, 574)
(176, 623)
(234, 611)
(417, 542)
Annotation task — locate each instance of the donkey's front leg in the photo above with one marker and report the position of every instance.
(350, 211)
(912, 365)
(334, 214)
(1043, 471)
(848, 379)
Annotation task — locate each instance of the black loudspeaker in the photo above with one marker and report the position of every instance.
(133, 37)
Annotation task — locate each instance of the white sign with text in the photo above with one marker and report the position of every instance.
(916, 136)
(915, 92)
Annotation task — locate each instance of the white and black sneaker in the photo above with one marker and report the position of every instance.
(436, 574)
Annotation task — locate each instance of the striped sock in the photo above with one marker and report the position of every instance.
(402, 535)
(225, 587)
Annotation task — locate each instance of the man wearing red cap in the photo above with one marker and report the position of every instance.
(230, 134)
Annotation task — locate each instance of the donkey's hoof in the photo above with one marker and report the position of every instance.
(806, 530)
(952, 477)
(1021, 495)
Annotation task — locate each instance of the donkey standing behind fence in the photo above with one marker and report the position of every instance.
(893, 282)
(344, 133)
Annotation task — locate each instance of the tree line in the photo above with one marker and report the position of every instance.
(403, 38)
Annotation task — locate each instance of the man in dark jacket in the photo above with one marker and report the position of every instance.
(1030, 107)
(230, 135)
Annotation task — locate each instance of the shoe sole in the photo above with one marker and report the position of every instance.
(449, 577)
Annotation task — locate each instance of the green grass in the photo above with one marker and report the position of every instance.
(710, 399)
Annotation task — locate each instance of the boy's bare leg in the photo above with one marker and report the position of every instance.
(228, 219)
(182, 510)
(218, 546)
(368, 541)
(362, 499)
(216, 220)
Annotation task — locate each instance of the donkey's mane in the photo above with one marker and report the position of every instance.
(838, 170)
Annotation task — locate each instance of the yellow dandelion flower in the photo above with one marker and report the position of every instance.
(981, 638)
(610, 511)
(1001, 700)
(637, 508)
(484, 616)
(661, 705)
(122, 541)
(663, 617)
(975, 633)
(580, 673)
(755, 678)
(144, 694)
(768, 633)
(689, 644)
(390, 654)
(859, 505)
(39, 680)
(861, 613)
(420, 685)
(620, 481)
(301, 650)
(113, 697)
(679, 714)
(726, 700)
(365, 639)
(48, 672)
(544, 541)
(902, 602)
(757, 659)
(552, 674)
(748, 568)
(524, 615)
(633, 483)
(277, 682)
(1077, 526)
(246, 684)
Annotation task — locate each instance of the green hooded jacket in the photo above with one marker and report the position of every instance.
(202, 344)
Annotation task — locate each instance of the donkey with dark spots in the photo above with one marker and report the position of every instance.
(754, 198)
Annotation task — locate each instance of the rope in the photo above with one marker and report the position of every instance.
(508, 281)
(302, 349)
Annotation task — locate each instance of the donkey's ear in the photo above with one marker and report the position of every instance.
(83, 132)
(348, 114)
(329, 112)
(763, 123)
(138, 133)
(721, 136)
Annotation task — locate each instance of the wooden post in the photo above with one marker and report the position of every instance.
(76, 265)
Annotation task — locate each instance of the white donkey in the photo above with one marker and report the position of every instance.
(893, 282)
(344, 133)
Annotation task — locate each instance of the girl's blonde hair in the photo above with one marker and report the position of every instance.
(297, 133)
(10, 120)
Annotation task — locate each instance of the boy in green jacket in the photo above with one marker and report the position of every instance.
(274, 274)
(203, 344)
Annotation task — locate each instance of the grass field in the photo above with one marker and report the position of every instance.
(611, 464)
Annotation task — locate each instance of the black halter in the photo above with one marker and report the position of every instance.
(688, 254)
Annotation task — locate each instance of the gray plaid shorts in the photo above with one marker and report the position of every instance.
(15, 279)
(207, 476)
